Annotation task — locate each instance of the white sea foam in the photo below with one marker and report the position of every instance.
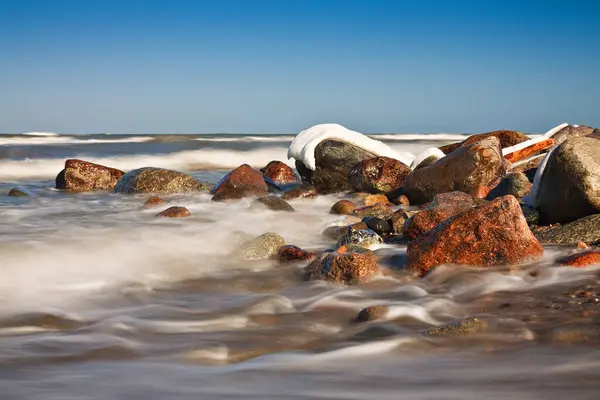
(49, 140)
(304, 144)
(432, 151)
(41, 134)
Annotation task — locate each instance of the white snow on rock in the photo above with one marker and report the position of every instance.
(303, 146)
(425, 154)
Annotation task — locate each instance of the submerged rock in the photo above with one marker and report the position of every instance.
(342, 207)
(363, 237)
(582, 259)
(175, 212)
(279, 172)
(289, 254)
(378, 175)
(569, 188)
(458, 328)
(84, 176)
(300, 192)
(154, 201)
(244, 181)
(506, 139)
(474, 168)
(273, 203)
(262, 247)
(343, 268)
(372, 314)
(443, 206)
(516, 184)
(492, 234)
(585, 230)
(16, 192)
(158, 180)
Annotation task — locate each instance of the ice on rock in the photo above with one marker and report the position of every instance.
(303, 146)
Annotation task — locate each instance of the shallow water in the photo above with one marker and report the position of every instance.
(100, 299)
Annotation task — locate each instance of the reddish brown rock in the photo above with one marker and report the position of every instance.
(401, 200)
(154, 201)
(244, 181)
(343, 268)
(443, 206)
(279, 173)
(529, 151)
(506, 138)
(582, 259)
(376, 199)
(372, 313)
(474, 168)
(492, 234)
(382, 211)
(301, 192)
(272, 202)
(343, 207)
(175, 212)
(378, 175)
(84, 176)
(398, 220)
(289, 254)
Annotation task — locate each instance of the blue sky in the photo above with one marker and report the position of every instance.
(283, 65)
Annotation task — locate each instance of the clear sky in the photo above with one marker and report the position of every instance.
(125, 66)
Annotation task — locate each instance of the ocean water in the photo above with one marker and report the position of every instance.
(101, 300)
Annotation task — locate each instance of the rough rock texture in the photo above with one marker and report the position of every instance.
(363, 237)
(336, 232)
(427, 162)
(532, 163)
(571, 131)
(474, 169)
(532, 215)
(377, 210)
(378, 225)
(16, 192)
(154, 201)
(582, 259)
(372, 313)
(342, 207)
(529, 151)
(158, 180)
(244, 181)
(378, 175)
(279, 173)
(492, 234)
(84, 176)
(458, 328)
(300, 192)
(274, 203)
(289, 254)
(333, 159)
(506, 138)
(175, 212)
(570, 186)
(398, 220)
(401, 200)
(343, 268)
(261, 247)
(373, 199)
(443, 206)
(516, 184)
(585, 230)
(355, 248)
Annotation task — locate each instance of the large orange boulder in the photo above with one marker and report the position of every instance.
(492, 234)
(279, 172)
(442, 207)
(244, 181)
(378, 175)
(84, 176)
(506, 138)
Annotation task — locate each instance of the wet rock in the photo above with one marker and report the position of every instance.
(492, 234)
(344, 268)
(571, 131)
(400, 200)
(585, 230)
(377, 210)
(244, 181)
(279, 173)
(175, 212)
(378, 225)
(378, 175)
(300, 192)
(582, 259)
(289, 254)
(333, 160)
(532, 216)
(427, 162)
(398, 220)
(16, 192)
(506, 139)
(84, 176)
(158, 180)
(373, 199)
(372, 314)
(336, 232)
(355, 248)
(342, 207)
(529, 150)
(262, 247)
(532, 164)
(274, 203)
(154, 201)
(443, 206)
(516, 184)
(461, 327)
(570, 186)
(474, 169)
(363, 237)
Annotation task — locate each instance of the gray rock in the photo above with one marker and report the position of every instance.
(363, 237)
(585, 230)
(261, 247)
(274, 203)
(158, 180)
(16, 192)
(516, 184)
(570, 186)
(427, 162)
(571, 131)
